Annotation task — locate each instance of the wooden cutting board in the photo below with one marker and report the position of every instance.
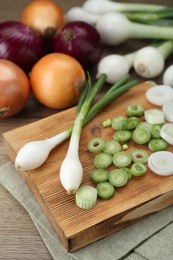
(77, 227)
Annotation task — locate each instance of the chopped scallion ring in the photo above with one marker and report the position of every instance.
(139, 155)
(96, 145)
(123, 136)
(130, 123)
(167, 133)
(86, 197)
(159, 95)
(112, 147)
(157, 144)
(105, 190)
(102, 160)
(141, 136)
(138, 169)
(135, 110)
(121, 159)
(161, 163)
(118, 178)
(154, 116)
(117, 122)
(99, 175)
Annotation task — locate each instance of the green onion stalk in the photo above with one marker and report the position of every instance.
(26, 161)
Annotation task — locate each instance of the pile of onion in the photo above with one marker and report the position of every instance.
(14, 88)
(44, 16)
(57, 80)
(20, 44)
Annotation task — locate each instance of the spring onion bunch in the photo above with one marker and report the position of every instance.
(71, 171)
(41, 148)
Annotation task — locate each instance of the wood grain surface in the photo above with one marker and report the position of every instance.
(19, 238)
(75, 227)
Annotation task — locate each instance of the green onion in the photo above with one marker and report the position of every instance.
(141, 136)
(96, 145)
(117, 122)
(102, 160)
(86, 197)
(99, 175)
(25, 159)
(112, 147)
(121, 159)
(104, 6)
(123, 136)
(115, 28)
(138, 169)
(157, 144)
(118, 178)
(139, 156)
(105, 190)
(135, 110)
(71, 171)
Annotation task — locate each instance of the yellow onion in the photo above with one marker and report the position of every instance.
(57, 80)
(14, 88)
(45, 16)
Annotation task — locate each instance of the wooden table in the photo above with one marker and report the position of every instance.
(19, 238)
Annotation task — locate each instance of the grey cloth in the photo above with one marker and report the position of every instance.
(150, 238)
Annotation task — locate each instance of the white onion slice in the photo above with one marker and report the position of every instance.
(154, 116)
(159, 94)
(168, 111)
(166, 133)
(161, 163)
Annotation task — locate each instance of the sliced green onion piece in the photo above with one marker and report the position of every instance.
(112, 147)
(96, 145)
(106, 123)
(167, 132)
(117, 122)
(105, 190)
(99, 175)
(121, 159)
(102, 160)
(141, 136)
(125, 146)
(123, 136)
(161, 163)
(130, 123)
(86, 197)
(135, 110)
(118, 178)
(155, 130)
(145, 125)
(139, 155)
(157, 144)
(168, 111)
(159, 94)
(128, 171)
(154, 116)
(138, 169)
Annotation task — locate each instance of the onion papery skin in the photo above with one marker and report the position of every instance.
(57, 80)
(14, 89)
(79, 40)
(44, 16)
(20, 44)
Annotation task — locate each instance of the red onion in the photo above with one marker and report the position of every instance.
(79, 40)
(20, 44)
